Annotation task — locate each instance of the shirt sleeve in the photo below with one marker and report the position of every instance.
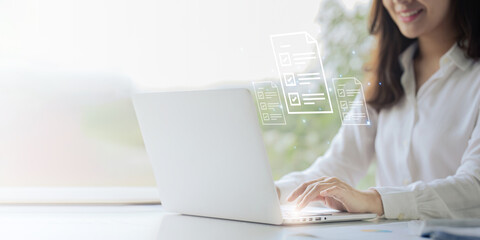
(348, 157)
(456, 196)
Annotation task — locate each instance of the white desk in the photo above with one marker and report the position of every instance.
(151, 222)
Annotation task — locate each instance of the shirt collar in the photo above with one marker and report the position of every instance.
(407, 79)
(455, 55)
(406, 56)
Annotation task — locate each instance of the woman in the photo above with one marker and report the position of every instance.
(425, 115)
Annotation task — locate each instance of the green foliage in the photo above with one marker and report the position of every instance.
(344, 38)
(345, 45)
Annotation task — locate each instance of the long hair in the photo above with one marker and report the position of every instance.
(385, 70)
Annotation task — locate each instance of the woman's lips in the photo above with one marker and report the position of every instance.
(409, 16)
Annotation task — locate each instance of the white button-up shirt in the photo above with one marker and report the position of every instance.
(427, 146)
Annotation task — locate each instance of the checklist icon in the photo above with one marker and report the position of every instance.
(289, 79)
(269, 104)
(285, 59)
(294, 99)
(351, 101)
(300, 71)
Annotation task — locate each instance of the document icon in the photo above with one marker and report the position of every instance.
(269, 104)
(304, 93)
(351, 101)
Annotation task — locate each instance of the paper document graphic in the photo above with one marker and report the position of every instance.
(351, 101)
(304, 92)
(269, 104)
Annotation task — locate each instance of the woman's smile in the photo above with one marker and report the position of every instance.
(407, 16)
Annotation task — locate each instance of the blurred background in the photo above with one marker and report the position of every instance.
(68, 69)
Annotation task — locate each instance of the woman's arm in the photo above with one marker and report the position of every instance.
(348, 158)
(456, 196)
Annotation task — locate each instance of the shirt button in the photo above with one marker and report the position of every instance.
(406, 182)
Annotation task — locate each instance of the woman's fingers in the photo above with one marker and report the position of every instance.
(338, 195)
(307, 190)
(334, 204)
(335, 192)
(300, 190)
(311, 195)
(306, 198)
(310, 191)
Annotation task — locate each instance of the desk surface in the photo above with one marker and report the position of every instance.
(151, 222)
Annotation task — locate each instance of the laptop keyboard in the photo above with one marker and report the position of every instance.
(289, 212)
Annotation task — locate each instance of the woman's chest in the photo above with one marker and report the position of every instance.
(435, 126)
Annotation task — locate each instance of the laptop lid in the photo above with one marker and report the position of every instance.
(208, 154)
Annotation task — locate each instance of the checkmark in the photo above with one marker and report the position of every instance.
(289, 79)
(285, 59)
(263, 106)
(266, 116)
(344, 105)
(261, 95)
(294, 99)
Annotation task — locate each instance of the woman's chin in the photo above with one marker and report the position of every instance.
(410, 34)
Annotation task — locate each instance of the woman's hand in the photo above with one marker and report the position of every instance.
(337, 195)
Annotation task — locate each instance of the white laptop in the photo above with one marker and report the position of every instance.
(209, 158)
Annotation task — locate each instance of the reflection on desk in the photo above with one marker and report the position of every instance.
(150, 222)
(180, 227)
(80, 222)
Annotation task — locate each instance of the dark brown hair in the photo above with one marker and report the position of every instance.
(385, 70)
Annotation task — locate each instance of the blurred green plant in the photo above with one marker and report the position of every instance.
(345, 46)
